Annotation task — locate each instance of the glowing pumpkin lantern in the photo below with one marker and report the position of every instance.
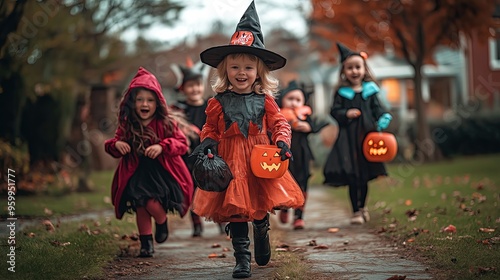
(265, 162)
(380, 147)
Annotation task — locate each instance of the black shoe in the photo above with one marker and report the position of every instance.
(262, 247)
(197, 230)
(161, 233)
(146, 246)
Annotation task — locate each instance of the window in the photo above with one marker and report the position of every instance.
(495, 50)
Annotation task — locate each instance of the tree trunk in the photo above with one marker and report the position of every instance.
(425, 148)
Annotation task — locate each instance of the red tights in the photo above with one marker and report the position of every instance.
(143, 216)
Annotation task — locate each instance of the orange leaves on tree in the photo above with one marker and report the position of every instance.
(413, 28)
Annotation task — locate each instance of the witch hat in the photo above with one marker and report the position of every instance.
(247, 38)
(187, 72)
(345, 52)
(292, 85)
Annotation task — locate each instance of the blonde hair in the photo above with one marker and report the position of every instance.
(344, 82)
(266, 84)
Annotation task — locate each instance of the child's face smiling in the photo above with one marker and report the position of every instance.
(242, 73)
(193, 89)
(145, 106)
(354, 69)
(293, 99)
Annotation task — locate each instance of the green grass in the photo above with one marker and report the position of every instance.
(67, 204)
(464, 192)
(68, 252)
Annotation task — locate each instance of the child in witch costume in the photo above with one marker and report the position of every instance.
(151, 177)
(292, 101)
(239, 117)
(191, 85)
(357, 111)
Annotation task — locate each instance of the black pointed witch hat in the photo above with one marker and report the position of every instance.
(247, 38)
(187, 72)
(345, 52)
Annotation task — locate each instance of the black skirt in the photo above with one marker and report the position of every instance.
(151, 181)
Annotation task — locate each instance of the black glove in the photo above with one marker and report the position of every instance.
(285, 152)
(204, 146)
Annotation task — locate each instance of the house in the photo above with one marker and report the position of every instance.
(483, 61)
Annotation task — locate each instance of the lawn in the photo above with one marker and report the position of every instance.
(69, 249)
(447, 213)
(55, 205)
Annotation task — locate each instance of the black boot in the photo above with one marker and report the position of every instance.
(161, 233)
(197, 225)
(197, 230)
(241, 244)
(146, 246)
(261, 241)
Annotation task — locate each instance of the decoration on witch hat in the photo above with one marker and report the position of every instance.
(247, 38)
(345, 52)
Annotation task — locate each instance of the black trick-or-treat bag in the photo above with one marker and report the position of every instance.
(211, 173)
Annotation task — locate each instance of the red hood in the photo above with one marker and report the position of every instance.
(145, 79)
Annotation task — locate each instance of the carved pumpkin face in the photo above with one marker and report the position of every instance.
(380, 147)
(265, 162)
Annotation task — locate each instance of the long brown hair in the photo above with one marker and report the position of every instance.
(137, 135)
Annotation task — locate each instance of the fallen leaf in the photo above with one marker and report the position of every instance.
(408, 202)
(216, 245)
(486, 229)
(48, 225)
(225, 249)
(281, 249)
(410, 240)
(333, 230)
(214, 255)
(322, 246)
(450, 228)
(31, 235)
(47, 211)
(57, 243)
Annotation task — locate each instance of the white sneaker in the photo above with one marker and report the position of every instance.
(365, 214)
(357, 219)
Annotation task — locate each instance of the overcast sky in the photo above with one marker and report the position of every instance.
(199, 16)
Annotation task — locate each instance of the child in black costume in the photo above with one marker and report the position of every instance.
(292, 101)
(357, 111)
(191, 85)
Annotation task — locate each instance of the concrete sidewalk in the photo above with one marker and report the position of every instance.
(353, 252)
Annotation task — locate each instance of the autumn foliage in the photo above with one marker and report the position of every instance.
(412, 29)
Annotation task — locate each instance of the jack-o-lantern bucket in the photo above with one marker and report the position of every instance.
(265, 162)
(380, 147)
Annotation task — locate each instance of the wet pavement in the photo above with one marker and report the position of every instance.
(354, 252)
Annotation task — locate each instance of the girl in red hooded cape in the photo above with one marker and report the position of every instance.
(151, 177)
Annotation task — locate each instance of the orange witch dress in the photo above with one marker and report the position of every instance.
(240, 123)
